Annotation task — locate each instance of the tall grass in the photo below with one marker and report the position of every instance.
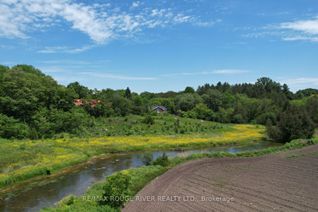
(22, 160)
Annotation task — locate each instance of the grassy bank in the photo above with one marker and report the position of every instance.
(139, 177)
(22, 160)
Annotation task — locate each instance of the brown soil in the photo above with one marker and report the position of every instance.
(287, 181)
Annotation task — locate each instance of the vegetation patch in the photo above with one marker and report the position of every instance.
(98, 197)
(34, 106)
(23, 159)
(135, 179)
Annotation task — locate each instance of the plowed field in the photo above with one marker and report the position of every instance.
(286, 181)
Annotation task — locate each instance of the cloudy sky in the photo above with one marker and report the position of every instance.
(163, 45)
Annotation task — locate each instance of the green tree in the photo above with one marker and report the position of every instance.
(24, 90)
(139, 105)
(121, 105)
(189, 90)
(312, 109)
(201, 111)
(306, 92)
(12, 128)
(81, 91)
(213, 99)
(187, 101)
(43, 123)
(265, 86)
(293, 123)
(127, 93)
(116, 190)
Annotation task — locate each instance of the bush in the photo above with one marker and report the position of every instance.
(12, 128)
(312, 109)
(293, 123)
(263, 118)
(162, 160)
(200, 111)
(68, 200)
(147, 159)
(116, 190)
(148, 120)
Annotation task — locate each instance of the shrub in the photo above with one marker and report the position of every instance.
(116, 190)
(12, 128)
(293, 123)
(162, 160)
(68, 200)
(176, 125)
(148, 120)
(147, 159)
(312, 108)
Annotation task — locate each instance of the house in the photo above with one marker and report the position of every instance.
(78, 102)
(95, 102)
(159, 109)
(82, 102)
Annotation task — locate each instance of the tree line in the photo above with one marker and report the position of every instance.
(33, 105)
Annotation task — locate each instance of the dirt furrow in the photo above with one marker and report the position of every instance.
(286, 181)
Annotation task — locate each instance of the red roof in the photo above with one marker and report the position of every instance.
(92, 102)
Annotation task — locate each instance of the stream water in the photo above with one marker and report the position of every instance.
(47, 193)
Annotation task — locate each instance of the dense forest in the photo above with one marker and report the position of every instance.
(33, 105)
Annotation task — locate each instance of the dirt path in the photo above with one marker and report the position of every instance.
(286, 181)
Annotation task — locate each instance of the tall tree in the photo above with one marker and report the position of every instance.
(189, 90)
(293, 123)
(82, 91)
(128, 93)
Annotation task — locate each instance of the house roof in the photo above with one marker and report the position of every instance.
(92, 102)
(159, 107)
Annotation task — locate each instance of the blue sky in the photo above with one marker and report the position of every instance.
(163, 45)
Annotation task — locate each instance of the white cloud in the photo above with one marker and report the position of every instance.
(230, 71)
(135, 4)
(207, 23)
(301, 30)
(116, 77)
(6, 46)
(20, 16)
(67, 74)
(65, 62)
(302, 80)
(300, 38)
(64, 49)
(52, 69)
(305, 26)
(100, 22)
(219, 71)
(68, 62)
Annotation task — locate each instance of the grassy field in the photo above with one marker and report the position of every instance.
(139, 177)
(163, 124)
(22, 160)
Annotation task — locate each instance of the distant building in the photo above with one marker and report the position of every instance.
(159, 109)
(78, 102)
(82, 102)
(95, 102)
